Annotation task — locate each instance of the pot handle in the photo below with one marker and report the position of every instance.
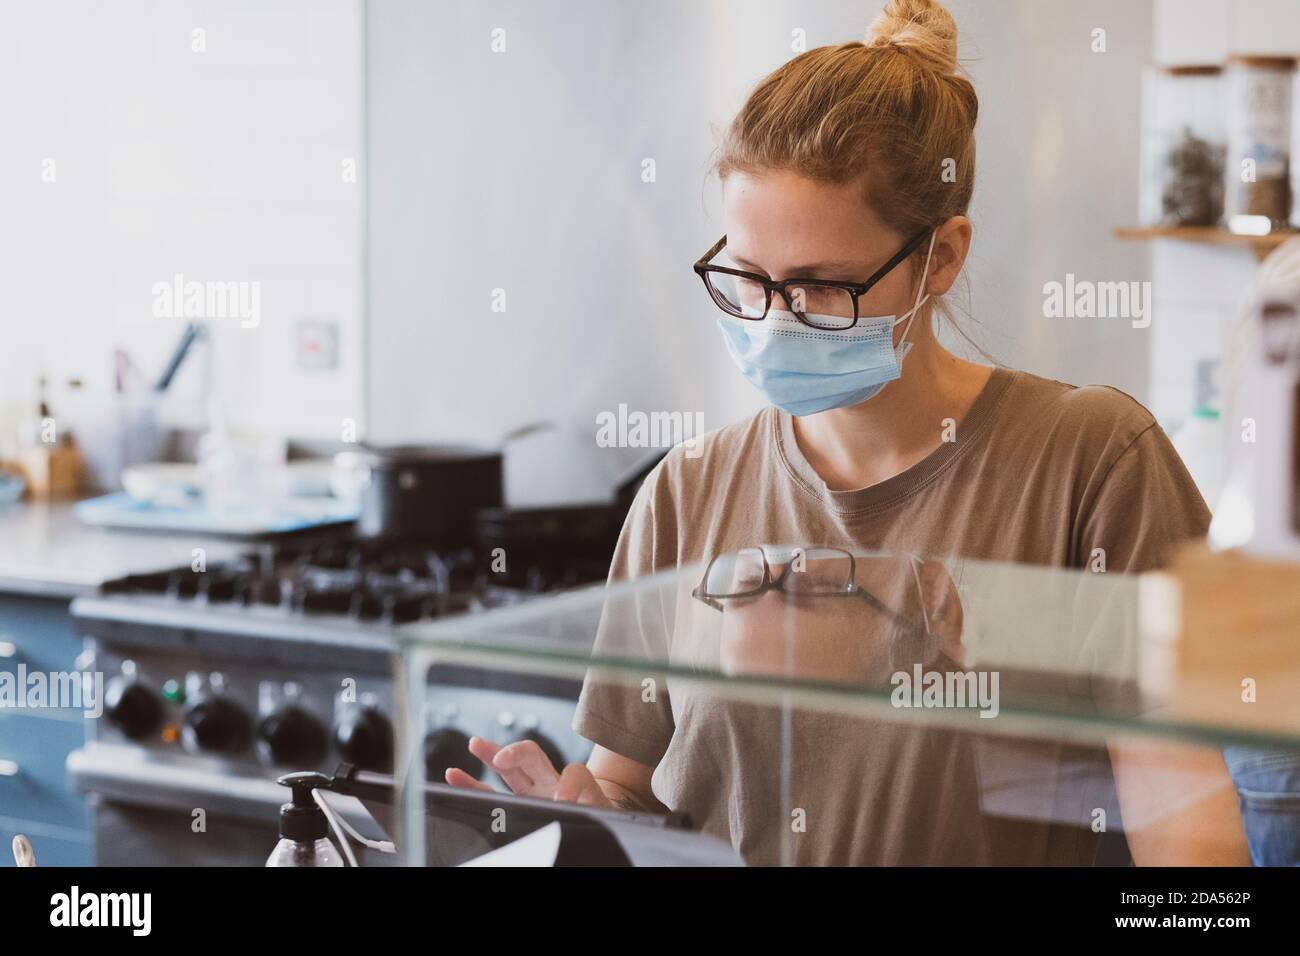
(524, 431)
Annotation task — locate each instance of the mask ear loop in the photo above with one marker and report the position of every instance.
(921, 297)
(934, 643)
(928, 646)
(920, 590)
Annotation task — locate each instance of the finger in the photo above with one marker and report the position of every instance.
(482, 748)
(527, 757)
(459, 778)
(577, 785)
(517, 780)
(572, 783)
(487, 751)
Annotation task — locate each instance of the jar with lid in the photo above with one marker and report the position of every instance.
(1257, 189)
(1183, 146)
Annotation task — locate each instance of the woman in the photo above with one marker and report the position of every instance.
(846, 180)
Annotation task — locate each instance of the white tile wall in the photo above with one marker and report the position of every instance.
(221, 165)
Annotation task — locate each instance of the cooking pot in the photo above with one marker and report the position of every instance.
(428, 493)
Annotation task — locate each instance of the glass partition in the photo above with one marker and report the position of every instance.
(827, 707)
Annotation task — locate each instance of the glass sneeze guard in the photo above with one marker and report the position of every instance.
(812, 714)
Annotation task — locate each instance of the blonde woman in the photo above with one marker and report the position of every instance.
(846, 180)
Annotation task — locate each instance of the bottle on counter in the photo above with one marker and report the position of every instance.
(304, 831)
(1199, 442)
(48, 456)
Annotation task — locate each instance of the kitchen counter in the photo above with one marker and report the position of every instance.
(45, 550)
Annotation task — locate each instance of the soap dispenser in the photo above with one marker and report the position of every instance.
(304, 831)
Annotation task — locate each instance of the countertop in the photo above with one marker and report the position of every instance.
(45, 550)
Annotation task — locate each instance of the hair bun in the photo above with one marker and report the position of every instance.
(920, 28)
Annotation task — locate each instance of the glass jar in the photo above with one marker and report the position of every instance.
(1257, 189)
(1183, 146)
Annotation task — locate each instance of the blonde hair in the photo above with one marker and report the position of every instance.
(893, 112)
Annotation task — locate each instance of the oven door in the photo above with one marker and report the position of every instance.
(151, 812)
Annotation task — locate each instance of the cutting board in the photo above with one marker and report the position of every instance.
(255, 520)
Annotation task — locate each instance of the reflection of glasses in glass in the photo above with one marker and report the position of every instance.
(811, 572)
(818, 303)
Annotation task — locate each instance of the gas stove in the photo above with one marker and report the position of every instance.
(352, 580)
(220, 677)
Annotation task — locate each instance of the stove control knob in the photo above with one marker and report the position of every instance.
(548, 746)
(365, 737)
(216, 724)
(133, 707)
(293, 737)
(445, 748)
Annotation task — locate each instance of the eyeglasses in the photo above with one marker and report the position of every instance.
(812, 572)
(817, 303)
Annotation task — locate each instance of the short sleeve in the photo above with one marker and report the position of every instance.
(1145, 506)
(1148, 505)
(626, 711)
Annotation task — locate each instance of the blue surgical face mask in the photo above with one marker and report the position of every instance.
(803, 370)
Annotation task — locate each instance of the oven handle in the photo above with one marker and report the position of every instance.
(121, 775)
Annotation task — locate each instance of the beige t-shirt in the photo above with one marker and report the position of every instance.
(1040, 473)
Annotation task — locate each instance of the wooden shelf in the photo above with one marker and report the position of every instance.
(1212, 235)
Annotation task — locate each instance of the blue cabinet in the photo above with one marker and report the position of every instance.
(34, 784)
(36, 799)
(53, 847)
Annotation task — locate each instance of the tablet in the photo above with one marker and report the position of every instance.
(462, 824)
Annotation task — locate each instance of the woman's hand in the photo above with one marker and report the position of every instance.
(527, 771)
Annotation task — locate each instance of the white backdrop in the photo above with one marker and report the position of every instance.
(222, 164)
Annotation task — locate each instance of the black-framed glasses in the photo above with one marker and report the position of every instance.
(818, 303)
(810, 572)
